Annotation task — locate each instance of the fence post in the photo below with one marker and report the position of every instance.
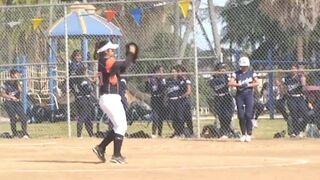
(176, 27)
(67, 68)
(271, 80)
(237, 58)
(84, 48)
(196, 67)
(52, 72)
(25, 85)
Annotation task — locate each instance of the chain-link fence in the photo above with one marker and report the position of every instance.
(180, 86)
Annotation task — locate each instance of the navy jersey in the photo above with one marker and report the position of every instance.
(219, 83)
(244, 79)
(76, 68)
(155, 86)
(83, 87)
(293, 84)
(122, 87)
(173, 87)
(11, 88)
(184, 85)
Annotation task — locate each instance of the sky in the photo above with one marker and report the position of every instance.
(200, 41)
(219, 2)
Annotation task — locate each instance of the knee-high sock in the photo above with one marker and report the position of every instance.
(89, 128)
(79, 129)
(118, 139)
(107, 140)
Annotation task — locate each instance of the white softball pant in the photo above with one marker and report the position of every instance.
(111, 105)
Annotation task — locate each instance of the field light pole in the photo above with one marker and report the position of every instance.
(196, 65)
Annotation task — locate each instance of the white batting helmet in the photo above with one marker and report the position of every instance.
(244, 61)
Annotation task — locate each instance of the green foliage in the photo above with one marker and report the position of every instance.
(204, 90)
(163, 46)
(247, 25)
(266, 130)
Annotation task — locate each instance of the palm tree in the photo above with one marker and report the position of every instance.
(300, 17)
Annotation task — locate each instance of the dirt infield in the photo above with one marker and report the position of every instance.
(153, 159)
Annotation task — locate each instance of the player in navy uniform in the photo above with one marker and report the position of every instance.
(75, 67)
(79, 86)
(244, 80)
(264, 102)
(221, 102)
(110, 100)
(155, 86)
(296, 101)
(174, 92)
(84, 103)
(11, 92)
(186, 86)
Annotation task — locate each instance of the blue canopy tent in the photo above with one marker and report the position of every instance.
(84, 24)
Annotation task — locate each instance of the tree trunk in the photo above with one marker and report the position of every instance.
(177, 28)
(51, 13)
(9, 2)
(37, 50)
(9, 56)
(300, 47)
(144, 36)
(214, 26)
(187, 33)
(204, 33)
(145, 97)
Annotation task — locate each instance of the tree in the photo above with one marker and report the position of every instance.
(246, 25)
(188, 31)
(214, 28)
(18, 31)
(299, 17)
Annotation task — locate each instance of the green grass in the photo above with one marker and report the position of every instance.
(266, 130)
